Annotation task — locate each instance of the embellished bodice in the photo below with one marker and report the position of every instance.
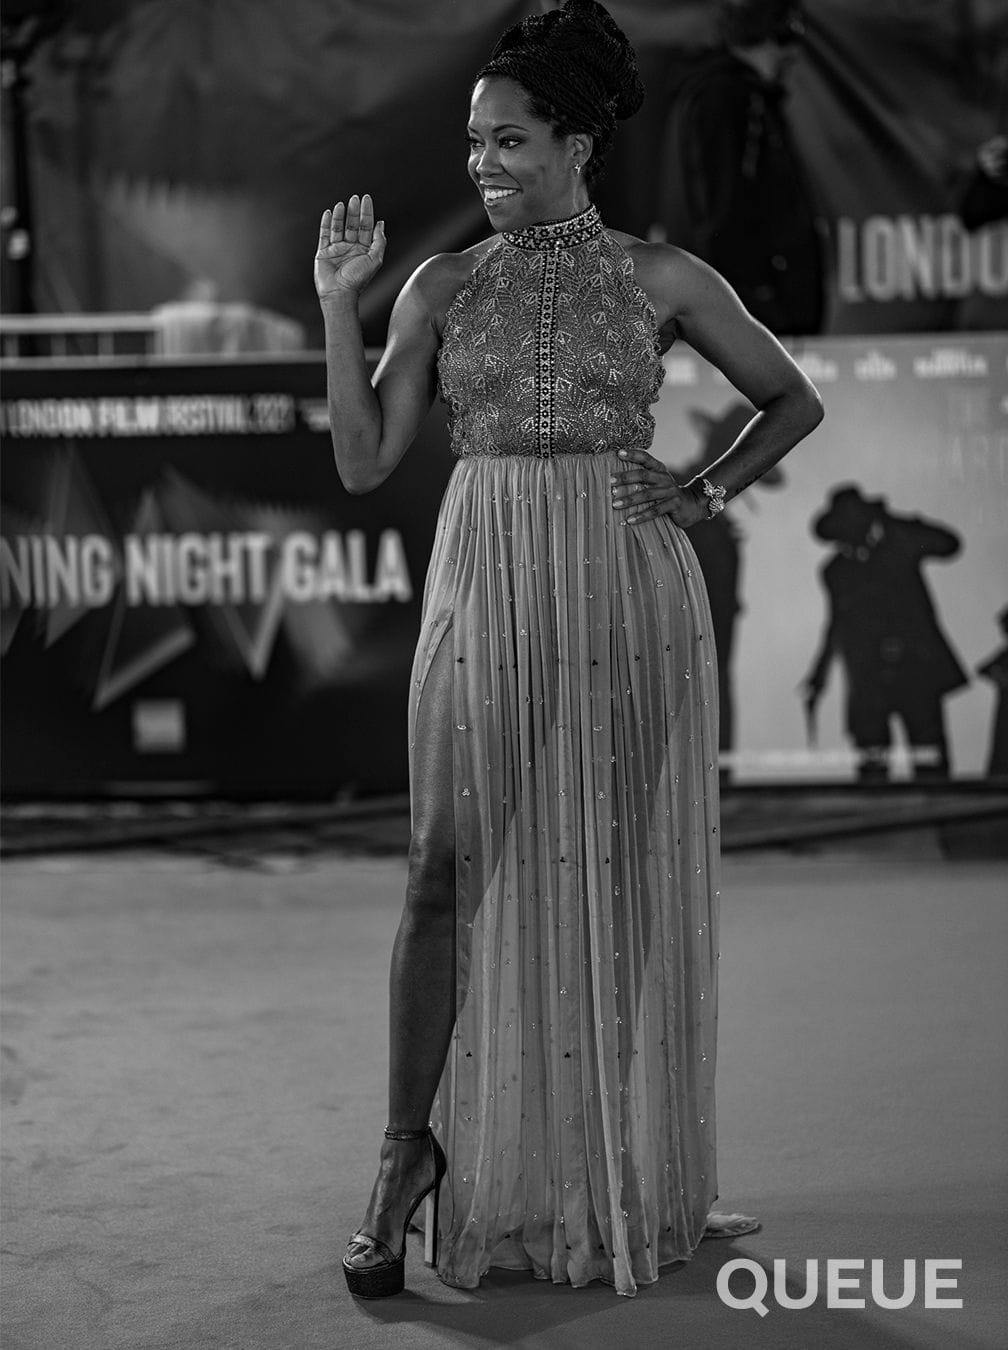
(550, 347)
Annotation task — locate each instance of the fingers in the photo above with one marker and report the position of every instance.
(637, 465)
(666, 505)
(648, 503)
(653, 477)
(637, 494)
(636, 454)
(359, 220)
(636, 486)
(365, 228)
(350, 223)
(644, 488)
(641, 511)
(336, 228)
(641, 494)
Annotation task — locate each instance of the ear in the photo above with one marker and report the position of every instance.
(581, 146)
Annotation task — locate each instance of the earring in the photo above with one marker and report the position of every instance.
(577, 168)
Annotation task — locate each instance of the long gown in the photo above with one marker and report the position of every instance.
(576, 1106)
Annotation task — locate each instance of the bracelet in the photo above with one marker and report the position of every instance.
(715, 497)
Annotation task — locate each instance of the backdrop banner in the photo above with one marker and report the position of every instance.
(192, 601)
(189, 150)
(861, 616)
(190, 596)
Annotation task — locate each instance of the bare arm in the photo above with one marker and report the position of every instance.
(716, 324)
(713, 320)
(372, 422)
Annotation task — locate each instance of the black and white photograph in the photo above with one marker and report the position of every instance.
(503, 674)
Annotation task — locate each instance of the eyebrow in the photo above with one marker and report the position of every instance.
(503, 126)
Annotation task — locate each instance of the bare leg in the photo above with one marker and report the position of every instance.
(422, 977)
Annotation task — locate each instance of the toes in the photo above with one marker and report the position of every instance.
(361, 1253)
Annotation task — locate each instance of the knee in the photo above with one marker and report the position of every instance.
(431, 887)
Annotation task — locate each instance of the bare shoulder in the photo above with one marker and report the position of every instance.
(697, 302)
(441, 278)
(671, 277)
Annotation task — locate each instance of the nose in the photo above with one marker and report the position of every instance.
(487, 162)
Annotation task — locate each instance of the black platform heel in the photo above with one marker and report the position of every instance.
(389, 1276)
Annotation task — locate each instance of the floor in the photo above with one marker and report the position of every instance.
(193, 1091)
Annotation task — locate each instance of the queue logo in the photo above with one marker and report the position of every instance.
(842, 1285)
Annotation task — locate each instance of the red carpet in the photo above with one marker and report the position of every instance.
(194, 1062)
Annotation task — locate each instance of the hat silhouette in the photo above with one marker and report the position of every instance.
(848, 515)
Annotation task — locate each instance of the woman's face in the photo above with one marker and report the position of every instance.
(524, 173)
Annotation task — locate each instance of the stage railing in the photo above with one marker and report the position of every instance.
(27, 337)
(178, 329)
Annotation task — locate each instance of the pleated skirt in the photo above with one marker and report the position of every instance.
(576, 1106)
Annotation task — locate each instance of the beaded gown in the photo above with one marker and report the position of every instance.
(576, 1106)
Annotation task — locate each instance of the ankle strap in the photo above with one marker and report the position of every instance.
(406, 1134)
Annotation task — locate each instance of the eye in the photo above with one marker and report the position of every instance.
(504, 142)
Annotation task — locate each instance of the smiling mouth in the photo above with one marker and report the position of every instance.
(491, 196)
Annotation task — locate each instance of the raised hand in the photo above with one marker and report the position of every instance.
(351, 247)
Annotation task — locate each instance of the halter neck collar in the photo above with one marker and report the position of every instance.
(557, 234)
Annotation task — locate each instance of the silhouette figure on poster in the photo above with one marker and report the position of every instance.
(718, 545)
(996, 670)
(734, 190)
(882, 627)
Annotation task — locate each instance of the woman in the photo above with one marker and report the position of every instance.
(554, 977)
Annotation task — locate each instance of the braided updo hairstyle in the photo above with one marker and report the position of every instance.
(578, 70)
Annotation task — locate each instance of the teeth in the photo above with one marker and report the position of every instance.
(495, 194)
